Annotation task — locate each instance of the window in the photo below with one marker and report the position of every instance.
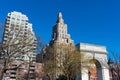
(21, 32)
(12, 22)
(18, 19)
(62, 31)
(26, 66)
(65, 31)
(12, 25)
(19, 69)
(17, 25)
(22, 20)
(18, 79)
(67, 40)
(22, 23)
(13, 18)
(17, 22)
(22, 26)
(10, 35)
(62, 35)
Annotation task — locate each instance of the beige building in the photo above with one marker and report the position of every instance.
(60, 33)
(60, 39)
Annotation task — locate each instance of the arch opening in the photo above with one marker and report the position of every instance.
(95, 72)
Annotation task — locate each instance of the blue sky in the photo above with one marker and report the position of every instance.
(89, 21)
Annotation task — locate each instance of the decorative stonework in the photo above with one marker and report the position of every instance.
(99, 54)
(60, 33)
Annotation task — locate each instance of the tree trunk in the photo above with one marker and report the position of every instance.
(67, 77)
(3, 70)
(28, 71)
(2, 74)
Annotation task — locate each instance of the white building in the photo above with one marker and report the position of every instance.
(99, 54)
(16, 28)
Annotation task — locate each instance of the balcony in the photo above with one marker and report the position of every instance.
(7, 24)
(32, 67)
(13, 78)
(8, 21)
(8, 18)
(32, 79)
(6, 29)
(31, 71)
(5, 35)
(13, 71)
(12, 75)
(5, 39)
(26, 20)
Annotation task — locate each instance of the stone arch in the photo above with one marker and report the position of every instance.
(98, 70)
(95, 70)
(99, 53)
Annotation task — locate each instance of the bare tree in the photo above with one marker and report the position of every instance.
(14, 47)
(39, 51)
(63, 60)
(114, 64)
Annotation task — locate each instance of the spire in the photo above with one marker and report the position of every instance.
(60, 19)
(59, 15)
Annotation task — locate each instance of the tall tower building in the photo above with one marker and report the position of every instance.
(60, 34)
(17, 27)
(60, 37)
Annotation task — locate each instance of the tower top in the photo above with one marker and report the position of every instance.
(60, 19)
(60, 34)
(59, 15)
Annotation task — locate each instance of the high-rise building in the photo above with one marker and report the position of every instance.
(60, 33)
(16, 28)
(60, 37)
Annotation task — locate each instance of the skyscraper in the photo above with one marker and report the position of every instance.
(60, 33)
(16, 28)
(60, 43)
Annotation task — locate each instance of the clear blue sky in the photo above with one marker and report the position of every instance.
(89, 21)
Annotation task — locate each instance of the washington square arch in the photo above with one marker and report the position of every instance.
(99, 53)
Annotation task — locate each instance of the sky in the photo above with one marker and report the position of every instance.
(89, 21)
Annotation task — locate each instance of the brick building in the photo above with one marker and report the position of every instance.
(30, 71)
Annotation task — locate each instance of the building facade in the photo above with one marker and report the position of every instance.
(60, 37)
(60, 33)
(16, 29)
(25, 71)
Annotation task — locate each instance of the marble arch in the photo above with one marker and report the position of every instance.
(100, 55)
